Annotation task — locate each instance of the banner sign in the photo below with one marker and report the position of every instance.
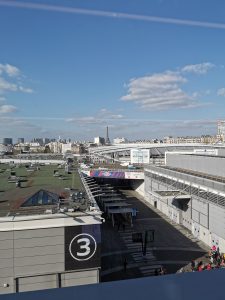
(107, 174)
(82, 247)
(134, 175)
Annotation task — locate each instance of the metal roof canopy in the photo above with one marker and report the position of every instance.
(118, 204)
(95, 191)
(107, 187)
(182, 197)
(98, 195)
(110, 195)
(115, 204)
(94, 188)
(112, 200)
(167, 193)
(122, 210)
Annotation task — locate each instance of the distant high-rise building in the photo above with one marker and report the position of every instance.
(46, 140)
(99, 141)
(7, 141)
(221, 130)
(38, 140)
(20, 141)
(107, 140)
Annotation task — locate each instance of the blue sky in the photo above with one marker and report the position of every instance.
(143, 68)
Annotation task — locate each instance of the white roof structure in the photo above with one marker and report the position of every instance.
(48, 221)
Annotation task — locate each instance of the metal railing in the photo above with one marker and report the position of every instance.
(187, 188)
(189, 176)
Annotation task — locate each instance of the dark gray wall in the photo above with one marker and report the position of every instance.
(32, 260)
(38, 251)
(6, 262)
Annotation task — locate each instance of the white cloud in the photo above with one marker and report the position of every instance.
(25, 90)
(147, 129)
(107, 114)
(118, 116)
(85, 121)
(196, 124)
(159, 91)
(5, 109)
(199, 69)
(10, 70)
(7, 86)
(10, 80)
(103, 116)
(221, 92)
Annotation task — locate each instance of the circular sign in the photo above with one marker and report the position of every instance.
(82, 247)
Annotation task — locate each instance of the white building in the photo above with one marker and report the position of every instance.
(55, 147)
(221, 130)
(45, 248)
(120, 140)
(66, 148)
(5, 148)
(189, 189)
(99, 141)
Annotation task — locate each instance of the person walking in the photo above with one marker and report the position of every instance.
(125, 264)
(192, 265)
(118, 228)
(156, 272)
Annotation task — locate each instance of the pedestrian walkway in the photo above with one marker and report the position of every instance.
(179, 227)
(125, 251)
(137, 254)
(173, 246)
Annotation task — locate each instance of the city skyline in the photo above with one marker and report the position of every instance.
(145, 70)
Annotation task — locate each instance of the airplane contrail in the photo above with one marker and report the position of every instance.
(110, 14)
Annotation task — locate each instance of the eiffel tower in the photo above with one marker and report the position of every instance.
(107, 140)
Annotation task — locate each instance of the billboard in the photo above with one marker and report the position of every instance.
(139, 156)
(82, 247)
(107, 174)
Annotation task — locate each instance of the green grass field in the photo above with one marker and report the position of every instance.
(39, 178)
(32, 182)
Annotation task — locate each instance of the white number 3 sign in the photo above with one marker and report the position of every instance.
(82, 247)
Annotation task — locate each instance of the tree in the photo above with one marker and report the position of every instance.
(47, 149)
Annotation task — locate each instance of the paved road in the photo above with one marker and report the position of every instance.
(173, 248)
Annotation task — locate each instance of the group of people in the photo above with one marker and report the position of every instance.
(217, 260)
(160, 271)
